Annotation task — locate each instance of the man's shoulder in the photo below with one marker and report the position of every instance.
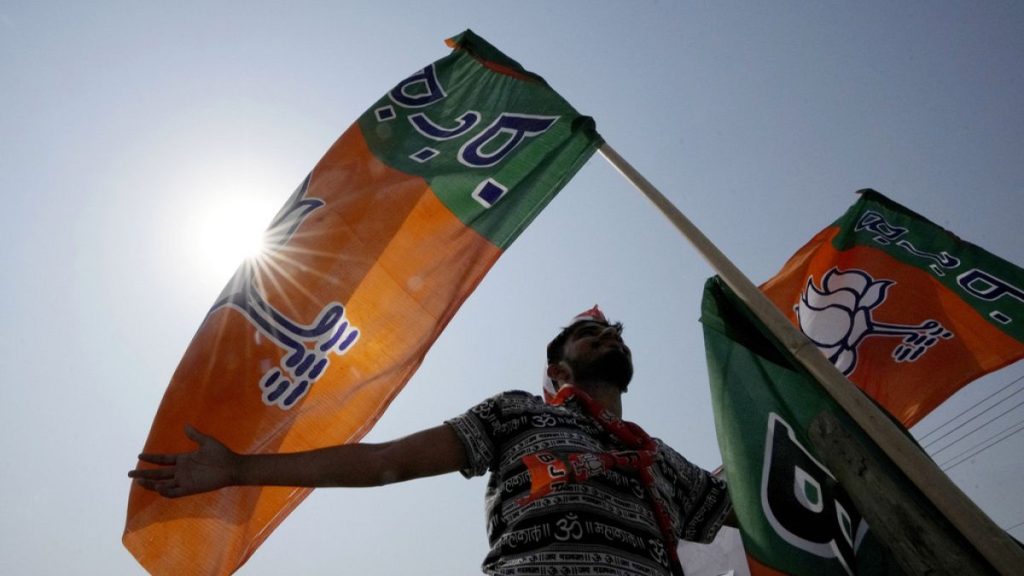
(521, 399)
(676, 461)
(669, 453)
(510, 402)
(520, 393)
(518, 396)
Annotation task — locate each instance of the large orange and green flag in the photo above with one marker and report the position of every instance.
(366, 263)
(908, 311)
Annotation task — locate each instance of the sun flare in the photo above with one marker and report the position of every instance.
(231, 231)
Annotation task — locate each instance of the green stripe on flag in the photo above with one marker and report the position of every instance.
(494, 146)
(992, 286)
(485, 51)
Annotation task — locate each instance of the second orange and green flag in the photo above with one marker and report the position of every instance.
(908, 311)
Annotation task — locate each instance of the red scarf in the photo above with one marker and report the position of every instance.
(549, 472)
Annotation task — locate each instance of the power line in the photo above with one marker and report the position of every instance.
(1006, 434)
(975, 429)
(1011, 432)
(975, 405)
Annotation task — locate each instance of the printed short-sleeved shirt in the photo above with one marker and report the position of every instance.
(602, 526)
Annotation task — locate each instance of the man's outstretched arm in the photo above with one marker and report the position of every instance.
(213, 465)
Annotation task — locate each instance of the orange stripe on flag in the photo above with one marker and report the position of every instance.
(409, 264)
(908, 390)
(758, 569)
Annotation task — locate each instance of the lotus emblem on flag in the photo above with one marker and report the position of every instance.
(837, 318)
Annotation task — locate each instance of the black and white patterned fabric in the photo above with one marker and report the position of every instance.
(602, 526)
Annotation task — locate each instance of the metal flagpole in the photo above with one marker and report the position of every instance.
(989, 540)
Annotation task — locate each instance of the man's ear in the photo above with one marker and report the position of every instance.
(559, 374)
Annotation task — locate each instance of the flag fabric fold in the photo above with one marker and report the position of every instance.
(908, 311)
(795, 517)
(365, 265)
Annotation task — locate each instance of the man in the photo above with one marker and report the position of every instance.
(573, 488)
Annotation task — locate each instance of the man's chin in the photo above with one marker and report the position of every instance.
(615, 366)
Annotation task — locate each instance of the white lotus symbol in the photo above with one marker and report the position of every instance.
(837, 318)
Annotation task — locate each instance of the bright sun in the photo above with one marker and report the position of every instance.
(229, 231)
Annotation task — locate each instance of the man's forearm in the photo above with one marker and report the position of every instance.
(426, 453)
(351, 465)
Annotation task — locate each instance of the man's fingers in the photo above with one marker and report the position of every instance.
(152, 473)
(196, 436)
(156, 485)
(171, 458)
(173, 491)
(158, 458)
(166, 488)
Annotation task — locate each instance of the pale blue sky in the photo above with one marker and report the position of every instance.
(125, 125)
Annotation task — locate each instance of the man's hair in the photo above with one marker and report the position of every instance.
(556, 348)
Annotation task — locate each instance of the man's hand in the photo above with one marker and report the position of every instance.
(209, 467)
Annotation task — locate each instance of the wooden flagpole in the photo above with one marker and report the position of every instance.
(989, 540)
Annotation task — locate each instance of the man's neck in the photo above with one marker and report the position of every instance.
(608, 395)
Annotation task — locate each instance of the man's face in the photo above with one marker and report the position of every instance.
(596, 351)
